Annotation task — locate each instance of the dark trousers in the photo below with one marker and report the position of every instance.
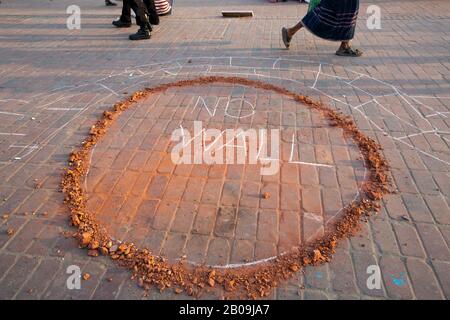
(143, 9)
(152, 14)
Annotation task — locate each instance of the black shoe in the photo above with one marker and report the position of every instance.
(142, 34)
(120, 24)
(109, 3)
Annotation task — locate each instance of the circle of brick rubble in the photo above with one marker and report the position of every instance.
(249, 282)
(228, 214)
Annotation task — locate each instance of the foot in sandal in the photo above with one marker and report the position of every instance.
(286, 38)
(349, 52)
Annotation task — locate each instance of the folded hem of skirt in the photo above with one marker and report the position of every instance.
(306, 27)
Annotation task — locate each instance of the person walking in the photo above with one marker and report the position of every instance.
(333, 20)
(124, 20)
(145, 16)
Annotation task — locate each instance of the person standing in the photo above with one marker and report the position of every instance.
(333, 20)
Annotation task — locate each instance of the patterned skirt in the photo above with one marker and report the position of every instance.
(333, 19)
(162, 7)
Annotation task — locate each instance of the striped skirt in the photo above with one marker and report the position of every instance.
(333, 19)
(162, 7)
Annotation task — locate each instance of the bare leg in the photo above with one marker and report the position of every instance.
(345, 44)
(288, 33)
(294, 29)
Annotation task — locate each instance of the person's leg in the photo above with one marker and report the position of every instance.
(345, 44)
(133, 6)
(152, 13)
(126, 11)
(125, 18)
(293, 30)
(140, 9)
(288, 33)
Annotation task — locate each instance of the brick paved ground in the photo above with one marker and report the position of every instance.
(56, 82)
(215, 214)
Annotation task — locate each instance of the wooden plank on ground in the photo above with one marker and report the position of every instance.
(237, 14)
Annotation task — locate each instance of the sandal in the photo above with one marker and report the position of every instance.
(349, 52)
(286, 38)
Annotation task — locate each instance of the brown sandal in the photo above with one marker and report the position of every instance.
(349, 52)
(286, 38)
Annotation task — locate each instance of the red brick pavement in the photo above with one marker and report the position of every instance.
(55, 83)
(142, 191)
